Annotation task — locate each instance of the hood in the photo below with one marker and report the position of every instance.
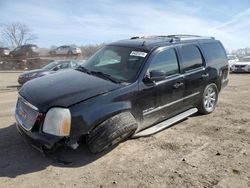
(31, 71)
(64, 89)
(242, 63)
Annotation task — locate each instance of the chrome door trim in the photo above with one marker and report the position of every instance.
(150, 110)
(194, 71)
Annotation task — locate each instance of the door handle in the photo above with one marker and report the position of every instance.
(205, 75)
(177, 85)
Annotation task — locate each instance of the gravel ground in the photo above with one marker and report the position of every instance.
(202, 151)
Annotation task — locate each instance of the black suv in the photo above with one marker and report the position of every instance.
(26, 50)
(133, 87)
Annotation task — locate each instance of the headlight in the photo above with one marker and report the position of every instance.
(57, 122)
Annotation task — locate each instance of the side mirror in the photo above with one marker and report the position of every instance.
(157, 75)
(55, 69)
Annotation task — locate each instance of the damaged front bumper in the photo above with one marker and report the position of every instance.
(39, 140)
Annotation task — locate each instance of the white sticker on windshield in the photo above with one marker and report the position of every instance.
(137, 53)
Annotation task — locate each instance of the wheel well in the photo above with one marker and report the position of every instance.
(218, 84)
(110, 116)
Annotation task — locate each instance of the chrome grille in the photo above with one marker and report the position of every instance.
(26, 113)
(240, 66)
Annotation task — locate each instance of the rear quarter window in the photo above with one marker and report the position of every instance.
(214, 53)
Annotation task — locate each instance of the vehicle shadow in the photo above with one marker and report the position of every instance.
(17, 157)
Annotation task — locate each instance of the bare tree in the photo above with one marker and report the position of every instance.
(89, 50)
(17, 34)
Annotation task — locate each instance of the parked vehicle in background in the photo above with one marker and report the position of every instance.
(27, 50)
(48, 69)
(232, 59)
(66, 50)
(134, 87)
(243, 65)
(4, 52)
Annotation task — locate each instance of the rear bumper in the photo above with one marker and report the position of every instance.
(38, 140)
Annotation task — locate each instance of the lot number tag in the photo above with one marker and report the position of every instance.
(139, 54)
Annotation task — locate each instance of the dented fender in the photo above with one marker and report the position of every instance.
(88, 114)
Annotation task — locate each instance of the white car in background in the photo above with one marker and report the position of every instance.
(66, 50)
(243, 65)
(232, 59)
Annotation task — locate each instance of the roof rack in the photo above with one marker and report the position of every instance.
(190, 37)
(173, 38)
(149, 37)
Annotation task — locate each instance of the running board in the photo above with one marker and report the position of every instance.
(165, 124)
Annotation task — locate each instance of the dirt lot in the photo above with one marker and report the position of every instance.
(202, 151)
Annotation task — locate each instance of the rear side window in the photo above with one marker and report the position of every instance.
(74, 64)
(63, 65)
(214, 52)
(165, 61)
(192, 58)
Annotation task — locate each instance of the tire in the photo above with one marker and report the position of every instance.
(70, 53)
(209, 99)
(111, 132)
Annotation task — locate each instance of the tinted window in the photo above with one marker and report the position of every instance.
(49, 66)
(214, 52)
(63, 65)
(165, 61)
(18, 48)
(74, 64)
(191, 57)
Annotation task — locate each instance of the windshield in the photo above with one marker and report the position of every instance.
(119, 63)
(231, 57)
(50, 66)
(245, 59)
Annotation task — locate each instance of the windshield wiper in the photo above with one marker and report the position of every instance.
(83, 69)
(107, 76)
(97, 73)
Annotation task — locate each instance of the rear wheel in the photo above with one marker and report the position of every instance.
(111, 132)
(209, 99)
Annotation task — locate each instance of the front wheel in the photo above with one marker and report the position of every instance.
(209, 99)
(111, 132)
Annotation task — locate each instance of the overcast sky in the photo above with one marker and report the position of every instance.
(58, 22)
